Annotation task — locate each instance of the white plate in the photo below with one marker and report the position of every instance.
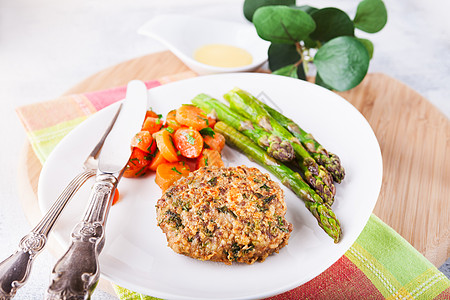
(196, 32)
(136, 255)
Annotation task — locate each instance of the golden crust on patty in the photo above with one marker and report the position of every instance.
(233, 214)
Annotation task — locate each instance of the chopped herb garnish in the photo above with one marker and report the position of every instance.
(208, 233)
(265, 187)
(249, 247)
(256, 180)
(207, 131)
(141, 171)
(174, 218)
(149, 148)
(283, 229)
(235, 249)
(204, 119)
(258, 195)
(280, 221)
(150, 156)
(205, 160)
(224, 209)
(175, 170)
(212, 181)
(261, 208)
(160, 116)
(189, 138)
(170, 129)
(186, 206)
(133, 160)
(280, 224)
(268, 199)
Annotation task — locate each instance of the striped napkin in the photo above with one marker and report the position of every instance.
(379, 265)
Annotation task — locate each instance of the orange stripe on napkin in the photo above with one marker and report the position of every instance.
(42, 115)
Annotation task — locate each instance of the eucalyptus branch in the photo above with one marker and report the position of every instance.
(341, 60)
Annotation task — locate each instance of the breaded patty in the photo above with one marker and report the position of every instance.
(234, 214)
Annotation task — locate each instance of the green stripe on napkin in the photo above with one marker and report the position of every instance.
(45, 140)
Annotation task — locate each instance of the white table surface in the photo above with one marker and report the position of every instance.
(48, 46)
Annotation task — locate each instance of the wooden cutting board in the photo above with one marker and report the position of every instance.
(414, 137)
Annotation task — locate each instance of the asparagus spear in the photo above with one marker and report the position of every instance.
(329, 160)
(278, 149)
(241, 102)
(321, 211)
(317, 176)
(275, 146)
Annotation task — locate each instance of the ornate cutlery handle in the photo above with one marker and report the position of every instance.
(15, 270)
(77, 272)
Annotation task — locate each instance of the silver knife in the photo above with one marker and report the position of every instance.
(77, 272)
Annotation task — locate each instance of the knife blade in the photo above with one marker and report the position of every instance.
(77, 272)
(116, 149)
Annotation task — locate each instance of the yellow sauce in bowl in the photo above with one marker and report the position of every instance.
(221, 55)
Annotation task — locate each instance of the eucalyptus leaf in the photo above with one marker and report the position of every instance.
(306, 8)
(342, 62)
(369, 46)
(289, 71)
(330, 23)
(281, 55)
(250, 6)
(282, 24)
(320, 82)
(371, 16)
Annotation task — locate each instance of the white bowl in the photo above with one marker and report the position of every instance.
(183, 35)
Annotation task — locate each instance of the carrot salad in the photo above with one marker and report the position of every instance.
(184, 142)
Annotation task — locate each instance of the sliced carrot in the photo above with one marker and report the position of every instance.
(209, 158)
(211, 122)
(192, 116)
(214, 141)
(137, 164)
(152, 124)
(156, 161)
(171, 120)
(115, 197)
(165, 145)
(168, 173)
(151, 113)
(188, 141)
(190, 162)
(144, 141)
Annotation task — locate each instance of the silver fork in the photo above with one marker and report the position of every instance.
(15, 270)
